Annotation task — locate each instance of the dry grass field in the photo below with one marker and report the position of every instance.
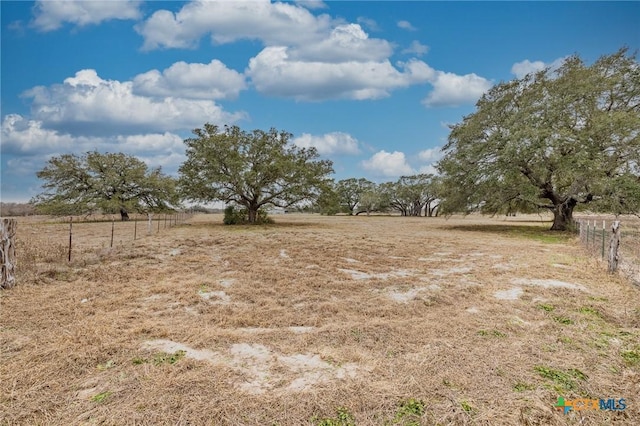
(316, 321)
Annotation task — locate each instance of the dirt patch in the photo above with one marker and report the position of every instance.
(261, 367)
(547, 283)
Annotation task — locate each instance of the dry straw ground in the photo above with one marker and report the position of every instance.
(316, 321)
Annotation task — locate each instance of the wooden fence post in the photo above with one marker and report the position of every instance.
(614, 244)
(8, 252)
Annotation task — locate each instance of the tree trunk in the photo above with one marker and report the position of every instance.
(7, 252)
(253, 214)
(563, 215)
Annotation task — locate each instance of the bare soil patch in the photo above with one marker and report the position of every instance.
(479, 321)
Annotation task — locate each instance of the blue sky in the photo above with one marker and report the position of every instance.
(372, 85)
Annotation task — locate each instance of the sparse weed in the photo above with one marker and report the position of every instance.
(165, 358)
(467, 407)
(546, 307)
(492, 333)
(161, 358)
(563, 380)
(101, 397)
(521, 387)
(632, 357)
(563, 320)
(343, 418)
(588, 310)
(408, 412)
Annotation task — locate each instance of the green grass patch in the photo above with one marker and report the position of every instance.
(589, 310)
(521, 387)
(101, 397)
(161, 358)
(545, 307)
(343, 418)
(536, 233)
(563, 320)
(467, 407)
(563, 380)
(631, 357)
(408, 413)
(491, 333)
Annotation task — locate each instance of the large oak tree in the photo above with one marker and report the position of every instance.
(551, 140)
(110, 182)
(251, 169)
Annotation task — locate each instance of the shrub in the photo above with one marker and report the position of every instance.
(239, 216)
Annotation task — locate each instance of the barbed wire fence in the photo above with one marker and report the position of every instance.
(615, 241)
(44, 245)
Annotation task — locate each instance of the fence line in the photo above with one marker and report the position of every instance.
(97, 232)
(617, 241)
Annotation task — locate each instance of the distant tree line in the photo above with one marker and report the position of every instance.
(416, 195)
(17, 209)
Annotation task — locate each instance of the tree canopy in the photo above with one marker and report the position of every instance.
(350, 192)
(410, 195)
(106, 182)
(551, 140)
(251, 169)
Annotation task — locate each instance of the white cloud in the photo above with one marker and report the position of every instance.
(452, 90)
(522, 68)
(52, 14)
(306, 57)
(28, 136)
(416, 48)
(345, 43)
(429, 169)
(388, 164)
(368, 23)
(431, 154)
(312, 4)
(329, 143)
(87, 104)
(227, 21)
(274, 73)
(195, 81)
(406, 25)
(22, 135)
(35, 144)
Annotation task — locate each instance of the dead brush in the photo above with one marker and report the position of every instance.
(34, 254)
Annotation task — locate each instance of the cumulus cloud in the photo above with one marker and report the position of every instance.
(28, 136)
(453, 90)
(87, 104)
(312, 4)
(406, 25)
(227, 21)
(522, 68)
(195, 81)
(416, 48)
(274, 73)
(431, 154)
(368, 23)
(52, 14)
(388, 164)
(345, 43)
(329, 143)
(306, 57)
